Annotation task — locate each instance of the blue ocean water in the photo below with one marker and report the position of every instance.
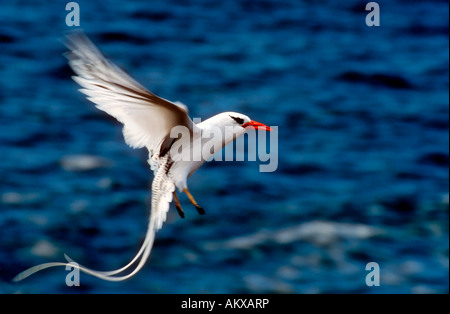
(363, 120)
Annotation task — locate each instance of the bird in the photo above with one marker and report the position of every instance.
(147, 123)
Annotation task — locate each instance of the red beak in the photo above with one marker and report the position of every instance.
(257, 125)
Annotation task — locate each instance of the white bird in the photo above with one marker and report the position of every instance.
(147, 122)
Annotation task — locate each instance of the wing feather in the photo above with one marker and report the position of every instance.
(147, 118)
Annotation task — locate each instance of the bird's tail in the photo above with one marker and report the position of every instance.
(113, 275)
(162, 188)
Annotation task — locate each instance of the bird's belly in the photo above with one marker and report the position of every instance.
(181, 170)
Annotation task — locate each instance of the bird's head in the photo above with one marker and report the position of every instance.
(245, 122)
(231, 125)
(239, 119)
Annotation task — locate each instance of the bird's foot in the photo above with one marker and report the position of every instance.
(180, 211)
(200, 210)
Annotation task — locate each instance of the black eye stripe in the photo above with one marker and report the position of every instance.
(238, 120)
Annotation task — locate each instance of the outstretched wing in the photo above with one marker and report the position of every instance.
(147, 118)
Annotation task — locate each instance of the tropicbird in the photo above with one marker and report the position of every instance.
(147, 122)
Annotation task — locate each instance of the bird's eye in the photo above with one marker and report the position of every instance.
(238, 120)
